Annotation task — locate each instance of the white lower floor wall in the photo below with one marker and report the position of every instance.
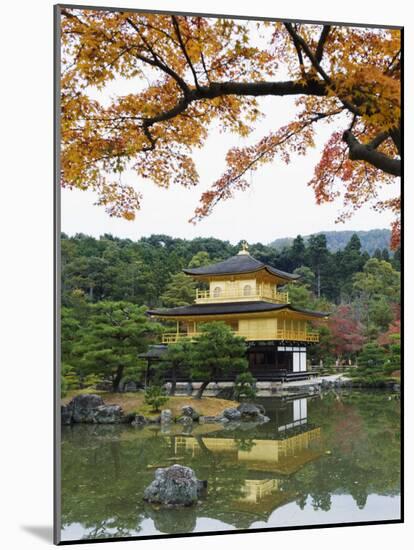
(299, 357)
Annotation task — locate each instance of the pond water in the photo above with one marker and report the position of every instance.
(320, 460)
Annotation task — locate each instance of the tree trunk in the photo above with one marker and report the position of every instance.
(173, 382)
(201, 389)
(117, 379)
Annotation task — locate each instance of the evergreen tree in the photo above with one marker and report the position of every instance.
(385, 255)
(177, 359)
(299, 295)
(216, 351)
(115, 333)
(297, 251)
(200, 259)
(307, 276)
(372, 357)
(180, 291)
(317, 253)
(380, 316)
(377, 279)
(395, 353)
(155, 397)
(348, 261)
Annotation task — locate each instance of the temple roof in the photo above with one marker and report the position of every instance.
(230, 308)
(241, 263)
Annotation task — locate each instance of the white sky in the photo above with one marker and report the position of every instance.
(278, 204)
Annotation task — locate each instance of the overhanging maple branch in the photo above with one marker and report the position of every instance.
(367, 153)
(218, 89)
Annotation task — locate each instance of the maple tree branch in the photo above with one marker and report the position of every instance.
(156, 61)
(296, 37)
(321, 43)
(390, 67)
(377, 140)
(151, 139)
(299, 54)
(367, 153)
(289, 134)
(183, 48)
(395, 134)
(217, 89)
(317, 66)
(203, 62)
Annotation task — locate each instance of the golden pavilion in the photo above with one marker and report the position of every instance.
(245, 293)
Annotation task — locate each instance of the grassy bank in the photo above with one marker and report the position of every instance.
(133, 402)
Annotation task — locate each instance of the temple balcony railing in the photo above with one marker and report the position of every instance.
(207, 297)
(251, 335)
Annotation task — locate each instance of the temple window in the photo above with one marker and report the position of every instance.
(216, 292)
(247, 290)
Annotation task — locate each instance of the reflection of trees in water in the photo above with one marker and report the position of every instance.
(104, 475)
(365, 457)
(105, 469)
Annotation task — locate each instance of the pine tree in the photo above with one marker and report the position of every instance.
(115, 333)
(318, 254)
(297, 252)
(177, 359)
(217, 351)
(372, 357)
(180, 291)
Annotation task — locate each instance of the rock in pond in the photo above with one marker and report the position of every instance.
(108, 414)
(189, 411)
(250, 411)
(173, 486)
(91, 409)
(84, 407)
(231, 414)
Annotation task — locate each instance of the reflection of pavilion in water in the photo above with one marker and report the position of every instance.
(275, 453)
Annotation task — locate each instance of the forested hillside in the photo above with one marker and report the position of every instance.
(143, 271)
(107, 284)
(371, 241)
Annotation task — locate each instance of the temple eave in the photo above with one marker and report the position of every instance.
(238, 309)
